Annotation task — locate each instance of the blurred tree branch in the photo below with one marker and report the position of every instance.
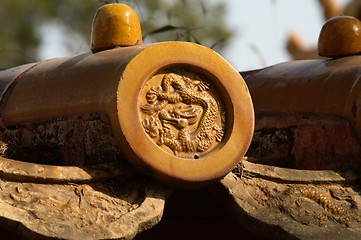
(330, 8)
(162, 20)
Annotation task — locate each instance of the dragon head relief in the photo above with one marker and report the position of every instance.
(182, 114)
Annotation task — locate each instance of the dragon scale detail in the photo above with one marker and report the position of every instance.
(175, 89)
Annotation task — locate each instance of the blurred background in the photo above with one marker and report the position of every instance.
(249, 34)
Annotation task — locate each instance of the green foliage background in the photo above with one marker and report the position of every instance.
(198, 21)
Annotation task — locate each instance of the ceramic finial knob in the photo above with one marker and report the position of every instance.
(115, 25)
(340, 36)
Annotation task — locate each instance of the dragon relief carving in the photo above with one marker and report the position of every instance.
(182, 102)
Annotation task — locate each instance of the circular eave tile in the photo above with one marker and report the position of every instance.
(185, 113)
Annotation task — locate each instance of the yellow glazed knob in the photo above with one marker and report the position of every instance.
(115, 25)
(340, 36)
